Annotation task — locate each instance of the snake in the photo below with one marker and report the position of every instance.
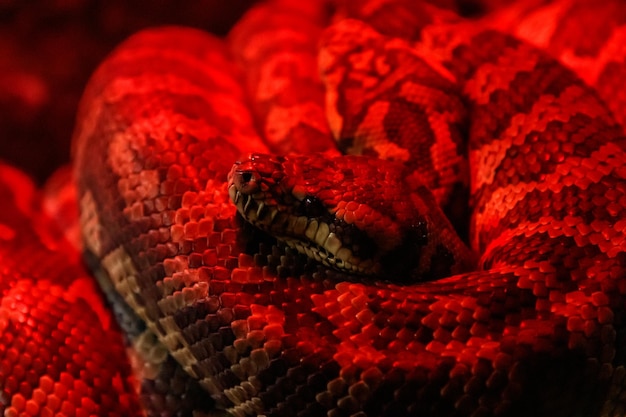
(247, 267)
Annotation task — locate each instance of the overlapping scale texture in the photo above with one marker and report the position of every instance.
(61, 352)
(264, 331)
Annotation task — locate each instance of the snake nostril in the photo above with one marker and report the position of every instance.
(246, 181)
(246, 177)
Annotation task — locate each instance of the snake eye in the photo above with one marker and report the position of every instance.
(312, 207)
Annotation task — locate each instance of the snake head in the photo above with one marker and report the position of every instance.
(352, 213)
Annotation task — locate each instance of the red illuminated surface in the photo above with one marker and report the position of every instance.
(535, 330)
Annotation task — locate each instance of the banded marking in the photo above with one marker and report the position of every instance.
(572, 101)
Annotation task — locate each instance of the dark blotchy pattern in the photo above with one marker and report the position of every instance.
(260, 329)
(53, 322)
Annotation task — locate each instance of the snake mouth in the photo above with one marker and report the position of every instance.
(313, 237)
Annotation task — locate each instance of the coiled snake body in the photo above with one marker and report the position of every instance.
(259, 329)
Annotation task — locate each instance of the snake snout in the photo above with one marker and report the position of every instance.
(253, 188)
(249, 175)
(244, 184)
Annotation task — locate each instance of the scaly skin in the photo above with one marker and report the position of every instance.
(60, 349)
(538, 330)
(276, 43)
(360, 215)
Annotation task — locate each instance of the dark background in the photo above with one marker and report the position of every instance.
(49, 48)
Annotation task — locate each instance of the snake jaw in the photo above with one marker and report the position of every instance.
(344, 216)
(284, 209)
(320, 244)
